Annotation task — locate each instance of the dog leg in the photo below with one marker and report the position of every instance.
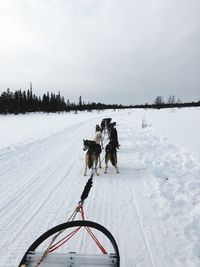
(106, 162)
(106, 167)
(102, 142)
(85, 170)
(96, 163)
(99, 162)
(117, 169)
(86, 164)
(116, 163)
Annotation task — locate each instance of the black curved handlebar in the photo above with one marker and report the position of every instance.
(71, 224)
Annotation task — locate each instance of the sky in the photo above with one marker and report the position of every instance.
(109, 51)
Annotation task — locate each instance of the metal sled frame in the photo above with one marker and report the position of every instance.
(31, 257)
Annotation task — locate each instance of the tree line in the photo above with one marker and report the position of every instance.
(25, 101)
(171, 102)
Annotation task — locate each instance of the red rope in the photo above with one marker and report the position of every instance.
(96, 241)
(92, 235)
(67, 237)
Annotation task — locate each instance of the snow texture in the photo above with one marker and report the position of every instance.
(152, 207)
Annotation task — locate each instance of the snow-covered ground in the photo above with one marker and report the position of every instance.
(152, 207)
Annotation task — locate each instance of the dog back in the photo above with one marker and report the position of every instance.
(114, 137)
(97, 149)
(92, 154)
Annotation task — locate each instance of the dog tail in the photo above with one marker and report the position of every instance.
(90, 161)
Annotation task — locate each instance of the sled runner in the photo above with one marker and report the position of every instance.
(33, 258)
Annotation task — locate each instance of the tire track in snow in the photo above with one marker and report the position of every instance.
(139, 218)
(36, 209)
(27, 189)
(13, 222)
(44, 221)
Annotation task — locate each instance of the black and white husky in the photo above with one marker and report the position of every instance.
(105, 124)
(92, 155)
(113, 135)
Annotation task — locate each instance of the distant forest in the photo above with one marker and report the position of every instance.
(25, 101)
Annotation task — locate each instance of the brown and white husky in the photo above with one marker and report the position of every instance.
(92, 155)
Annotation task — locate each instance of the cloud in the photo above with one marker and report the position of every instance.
(112, 51)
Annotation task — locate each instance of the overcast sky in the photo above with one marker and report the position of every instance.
(112, 51)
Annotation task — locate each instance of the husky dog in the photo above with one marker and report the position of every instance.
(113, 136)
(98, 139)
(92, 155)
(111, 126)
(111, 155)
(104, 124)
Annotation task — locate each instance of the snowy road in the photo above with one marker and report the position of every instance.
(151, 213)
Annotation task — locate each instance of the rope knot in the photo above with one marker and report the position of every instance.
(79, 207)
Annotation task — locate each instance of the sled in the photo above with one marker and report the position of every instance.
(71, 259)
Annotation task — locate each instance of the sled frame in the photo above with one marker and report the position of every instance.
(31, 257)
(71, 259)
